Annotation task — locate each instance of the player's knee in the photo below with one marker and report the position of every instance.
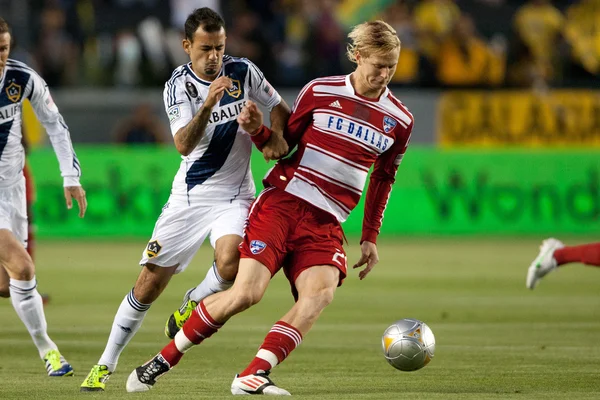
(243, 300)
(25, 270)
(227, 264)
(318, 299)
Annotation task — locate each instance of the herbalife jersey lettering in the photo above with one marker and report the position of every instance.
(18, 83)
(218, 169)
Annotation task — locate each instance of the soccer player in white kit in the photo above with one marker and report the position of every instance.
(18, 82)
(212, 190)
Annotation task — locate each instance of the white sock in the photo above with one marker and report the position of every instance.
(212, 283)
(127, 321)
(29, 307)
(182, 343)
(268, 356)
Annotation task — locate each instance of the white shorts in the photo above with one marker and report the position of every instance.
(181, 229)
(13, 210)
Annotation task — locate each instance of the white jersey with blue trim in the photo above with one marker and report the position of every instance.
(17, 83)
(218, 169)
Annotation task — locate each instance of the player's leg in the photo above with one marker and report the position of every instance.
(315, 266)
(218, 278)
(553, 254)
(224, 269)
(227, 229)
(28, 303)
(269, 220)
(316, 287)
(150, 283)
(4, 280)
(174, 243)
(588, 254)
(25, 298)
(206, 319)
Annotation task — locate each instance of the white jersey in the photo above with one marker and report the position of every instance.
(218, 169)
(17, 83)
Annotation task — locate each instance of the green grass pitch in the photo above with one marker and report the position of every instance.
(495, 339)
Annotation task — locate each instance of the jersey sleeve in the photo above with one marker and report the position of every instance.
(380, 185)
(177, 105)
(301, 116)
(261, 90)
(47, 113)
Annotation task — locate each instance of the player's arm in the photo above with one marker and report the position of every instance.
(299, 120)
(261, 92)
(188, 136)
(378, 192)
(49, 116)
(276, 147)
(269, 141)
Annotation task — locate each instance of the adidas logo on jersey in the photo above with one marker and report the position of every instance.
(336, 104)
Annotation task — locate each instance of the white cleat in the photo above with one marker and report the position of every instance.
(256, 384)
(544, 263)
(144, 377)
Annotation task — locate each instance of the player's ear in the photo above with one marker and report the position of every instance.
(187, 46)
(358, 58)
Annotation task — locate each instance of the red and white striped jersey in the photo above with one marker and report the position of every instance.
(340, 135)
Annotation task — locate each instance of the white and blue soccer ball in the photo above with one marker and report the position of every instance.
(408, 344)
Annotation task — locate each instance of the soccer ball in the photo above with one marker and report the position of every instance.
(408, 344)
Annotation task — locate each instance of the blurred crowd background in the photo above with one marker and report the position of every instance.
(445, 43)
(505, 96)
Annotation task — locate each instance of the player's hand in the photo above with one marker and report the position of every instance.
(216, 90)
(250, 118)
(77, 193)
(275, 148)
(369, 256)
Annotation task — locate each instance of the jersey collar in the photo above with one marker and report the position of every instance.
(383, 95)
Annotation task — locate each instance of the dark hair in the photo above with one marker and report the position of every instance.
(4, 26)
(209, 20)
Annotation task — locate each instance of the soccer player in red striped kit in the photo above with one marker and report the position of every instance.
(340, 126)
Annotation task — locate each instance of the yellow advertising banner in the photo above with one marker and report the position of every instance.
(561, 118)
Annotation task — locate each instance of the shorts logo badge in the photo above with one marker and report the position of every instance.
(153, 248)
(191, 89)
(257, 247)
(236, 90)
(388, 124)
(13, 91)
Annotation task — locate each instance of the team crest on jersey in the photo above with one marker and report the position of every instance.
(257, 247)
(236, 90)
(153, 248)
(13, 91)
(388, 124)
(191, 89)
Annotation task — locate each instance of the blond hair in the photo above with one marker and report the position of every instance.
(371, 37)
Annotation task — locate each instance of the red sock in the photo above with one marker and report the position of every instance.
(587, 254)
(171, 354)
(200, 325)
(279, 343)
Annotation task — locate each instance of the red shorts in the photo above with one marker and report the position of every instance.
(284, 231)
